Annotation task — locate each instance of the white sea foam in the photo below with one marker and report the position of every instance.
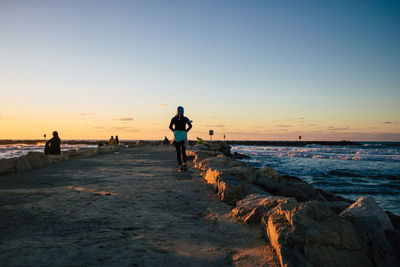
(350, 171)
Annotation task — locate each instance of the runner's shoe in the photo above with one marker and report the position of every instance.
(184, 167)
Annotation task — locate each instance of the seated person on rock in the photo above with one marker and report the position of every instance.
(52, 146)
(166, 141)
(112, 141)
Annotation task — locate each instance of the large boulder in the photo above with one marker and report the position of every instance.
(372, 224)
(229, 188)
(366, 207)
(251, 209)
(311, 234)
(37, 159)
(288, 186)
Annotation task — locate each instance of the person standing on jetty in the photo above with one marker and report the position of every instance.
(52, 146)
(178, 127)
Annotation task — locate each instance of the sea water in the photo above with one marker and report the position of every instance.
(371, 169)
(16, 150)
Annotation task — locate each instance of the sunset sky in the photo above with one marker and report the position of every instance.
(256, 70)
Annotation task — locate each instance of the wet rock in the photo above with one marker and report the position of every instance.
(37, 159)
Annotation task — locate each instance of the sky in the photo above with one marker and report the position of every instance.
(252, 70)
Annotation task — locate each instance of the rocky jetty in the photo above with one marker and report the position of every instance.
(34, 160)
(304, 225)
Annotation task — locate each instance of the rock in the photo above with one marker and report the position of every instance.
(7, 166)
(88, 153)
(394, 239)
(222, 147)
(106, 149)
(251, 209)
(240, 156)
(205, 147)
(395, 219)
(288, 186)
(366, 207)
(71, 154)
(371, 225)
(22, 164)
(267, 173)
(229, 188)
(311, 234)
(201, 155)
(58, 158)
(37, 159)
(218, 162)
(243, 172)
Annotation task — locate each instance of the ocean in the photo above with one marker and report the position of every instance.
(17, 150)
(371, 169)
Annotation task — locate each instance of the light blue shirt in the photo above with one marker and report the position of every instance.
(180, 135)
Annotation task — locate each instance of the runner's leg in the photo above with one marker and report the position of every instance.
(183, 151)
(178, 153)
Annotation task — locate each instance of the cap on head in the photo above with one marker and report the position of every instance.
(180, 110)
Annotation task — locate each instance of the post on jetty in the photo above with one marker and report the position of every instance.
(211, 133)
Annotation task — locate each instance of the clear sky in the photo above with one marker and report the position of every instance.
(257, 70)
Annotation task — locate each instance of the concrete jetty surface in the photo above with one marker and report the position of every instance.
(128, 208)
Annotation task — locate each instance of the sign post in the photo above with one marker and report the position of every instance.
(211, 133)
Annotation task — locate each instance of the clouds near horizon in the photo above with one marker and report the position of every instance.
(124, 119)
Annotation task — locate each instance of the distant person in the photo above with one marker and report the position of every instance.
(178, 127)
(166, 141)
(52, 146)
(116, 139)
(112, 141)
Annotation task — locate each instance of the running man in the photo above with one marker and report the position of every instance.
(180, 134)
